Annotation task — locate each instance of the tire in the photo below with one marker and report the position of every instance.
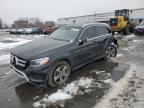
(136, 33)
(126, 30)
(56, 76)
(111, 51)
(113, 33)
(131, 30)
(119, 32)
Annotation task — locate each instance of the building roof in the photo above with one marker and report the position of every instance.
(95, 14)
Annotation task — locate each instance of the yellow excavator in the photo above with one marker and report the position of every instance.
(122, 22)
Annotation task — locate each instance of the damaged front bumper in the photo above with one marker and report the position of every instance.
(20, 73)
(36, 76)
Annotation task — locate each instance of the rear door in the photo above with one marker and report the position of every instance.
(103, 38)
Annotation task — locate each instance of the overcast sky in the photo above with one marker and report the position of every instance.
(11, 10)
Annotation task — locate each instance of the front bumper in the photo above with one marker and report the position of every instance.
(36, 76)
(137, 31)
(22, 74)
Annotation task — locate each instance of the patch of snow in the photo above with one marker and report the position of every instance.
(137, 41)
(12, 45)
(117, 36)
(4, 59)
(85, 82)
(109, 81)
(9, 100)
(90, 90)
(58, 96)
(133, 95)
(116, 89)
(40, 36)
(129, 37)
(33, 36)
(129, 48)
(101, 72)
(38, 105)
(36, 97)
(74, 88)
(119, 55)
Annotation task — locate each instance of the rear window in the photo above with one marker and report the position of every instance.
(114, 22)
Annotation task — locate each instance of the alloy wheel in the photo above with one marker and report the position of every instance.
(111, 52)
(61, 74)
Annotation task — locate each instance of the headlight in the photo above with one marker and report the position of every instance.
(39, 62)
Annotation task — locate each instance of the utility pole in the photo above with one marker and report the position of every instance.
(95, 16)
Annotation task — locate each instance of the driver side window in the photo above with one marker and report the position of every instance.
(88, 33)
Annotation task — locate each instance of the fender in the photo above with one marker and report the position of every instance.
(115, 42)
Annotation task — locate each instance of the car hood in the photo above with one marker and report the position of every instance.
(37, 48)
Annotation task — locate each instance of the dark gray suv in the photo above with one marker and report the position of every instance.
(49, 61)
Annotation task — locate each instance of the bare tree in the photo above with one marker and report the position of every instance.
(6, 26)
(1, 23)
(50, 23)
(35, 22)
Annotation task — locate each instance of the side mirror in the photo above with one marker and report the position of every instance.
(82, 41)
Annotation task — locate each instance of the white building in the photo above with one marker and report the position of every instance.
(137, 14)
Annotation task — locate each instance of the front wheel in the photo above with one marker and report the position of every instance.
(111, 51)
(59, 74)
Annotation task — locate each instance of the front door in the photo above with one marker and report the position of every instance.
(83, 53)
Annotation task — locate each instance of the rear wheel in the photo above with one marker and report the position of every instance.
(113, 33)
(119, 32)
(131, 29)
(59, 74)
(111, 51)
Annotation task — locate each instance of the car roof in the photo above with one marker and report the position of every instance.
(82, 25)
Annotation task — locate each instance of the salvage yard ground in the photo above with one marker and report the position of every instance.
(115, 83)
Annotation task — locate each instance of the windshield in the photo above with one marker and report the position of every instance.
(65, 33)
(142, 23)
(113, 21)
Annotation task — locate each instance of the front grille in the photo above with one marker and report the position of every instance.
(18, 62)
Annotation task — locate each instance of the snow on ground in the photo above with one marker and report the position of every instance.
(4, 59)
(7, 42)
(14, 44)
(129, 48)
(77, 87)
(137, 41)
(116, 89)
(18, 40)
(119, 55)
(133, 95)
(129, 37)
(31, 37)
